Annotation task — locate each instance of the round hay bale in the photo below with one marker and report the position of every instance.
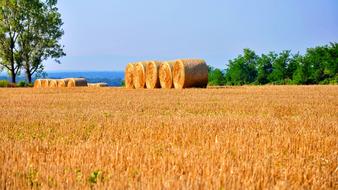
(139, 76)
(54, 83)
(190, 73)
(63, 83)
(128, 75)
(45, 83)
(37, 83)
(152, 72)
(166, 74)
(77, 82)
(101, 84)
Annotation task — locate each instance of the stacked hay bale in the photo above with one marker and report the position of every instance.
(60, 83)
(189, 73)
(77, 82)
(45, 83)
(139, 75)
(166, 74)
(152, 74)
(54, 83)
(63, 83)
(37, 83)
(181, 73)
(101, 84)
(129, 75)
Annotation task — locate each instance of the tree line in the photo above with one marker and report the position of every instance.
(30, 33)
(318, 65)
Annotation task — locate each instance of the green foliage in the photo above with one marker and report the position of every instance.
(24, 84)
(21, 84)
(279, 67)
(265, 67)
(123, 83)
(94, 177)
(215, 77)
(4, 83)
(321, 63)
(318, 66)
(43, 28)
(32, 178)
(30, 33)
(10, 29)
(243, 69)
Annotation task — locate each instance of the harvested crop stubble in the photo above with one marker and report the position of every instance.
(139, 76)
(37, 83)
(77, 82)
(53, 83)
(190, 73)
(152, 72)
(101, 84)
(63, 82)
(129, 73)
(166, 74)
(45, 83)
(243, 137)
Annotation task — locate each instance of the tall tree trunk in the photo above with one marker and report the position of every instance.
(13, 75)
(29, 77)
(28, 74)
(13, 70)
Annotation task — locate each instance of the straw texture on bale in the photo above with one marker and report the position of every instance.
(152, 72)
(63, 83)
(37, 83)
(166, 74)
(189, 73)
(139, 76)
(53, 83)
(101, 84)
(129, 73)
(45, 83)
(77, 82)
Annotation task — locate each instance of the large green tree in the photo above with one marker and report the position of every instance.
(279, 67)
(30, 33)
(243, 69)
(300, 75)
(10, 29)
(216, 77)
(265, 67)
(319, 65)
(292, 66)
(321, 62)
(41, 36)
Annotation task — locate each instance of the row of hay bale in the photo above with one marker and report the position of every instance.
(67, 82)
(181, 73)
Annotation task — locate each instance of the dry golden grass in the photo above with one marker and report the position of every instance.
(272, 137)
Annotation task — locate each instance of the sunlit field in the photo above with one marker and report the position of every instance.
(270, 137)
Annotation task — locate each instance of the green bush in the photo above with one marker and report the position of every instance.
(123, 83)
(213, 83)
(4, 83)
(22, 84)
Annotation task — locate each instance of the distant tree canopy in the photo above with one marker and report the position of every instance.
(30, 31)
(319, 65)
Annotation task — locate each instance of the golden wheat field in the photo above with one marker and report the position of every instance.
(270, 137)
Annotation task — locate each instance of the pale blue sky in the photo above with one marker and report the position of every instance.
(107, 34)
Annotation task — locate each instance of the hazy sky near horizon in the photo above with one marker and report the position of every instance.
(107, 34)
